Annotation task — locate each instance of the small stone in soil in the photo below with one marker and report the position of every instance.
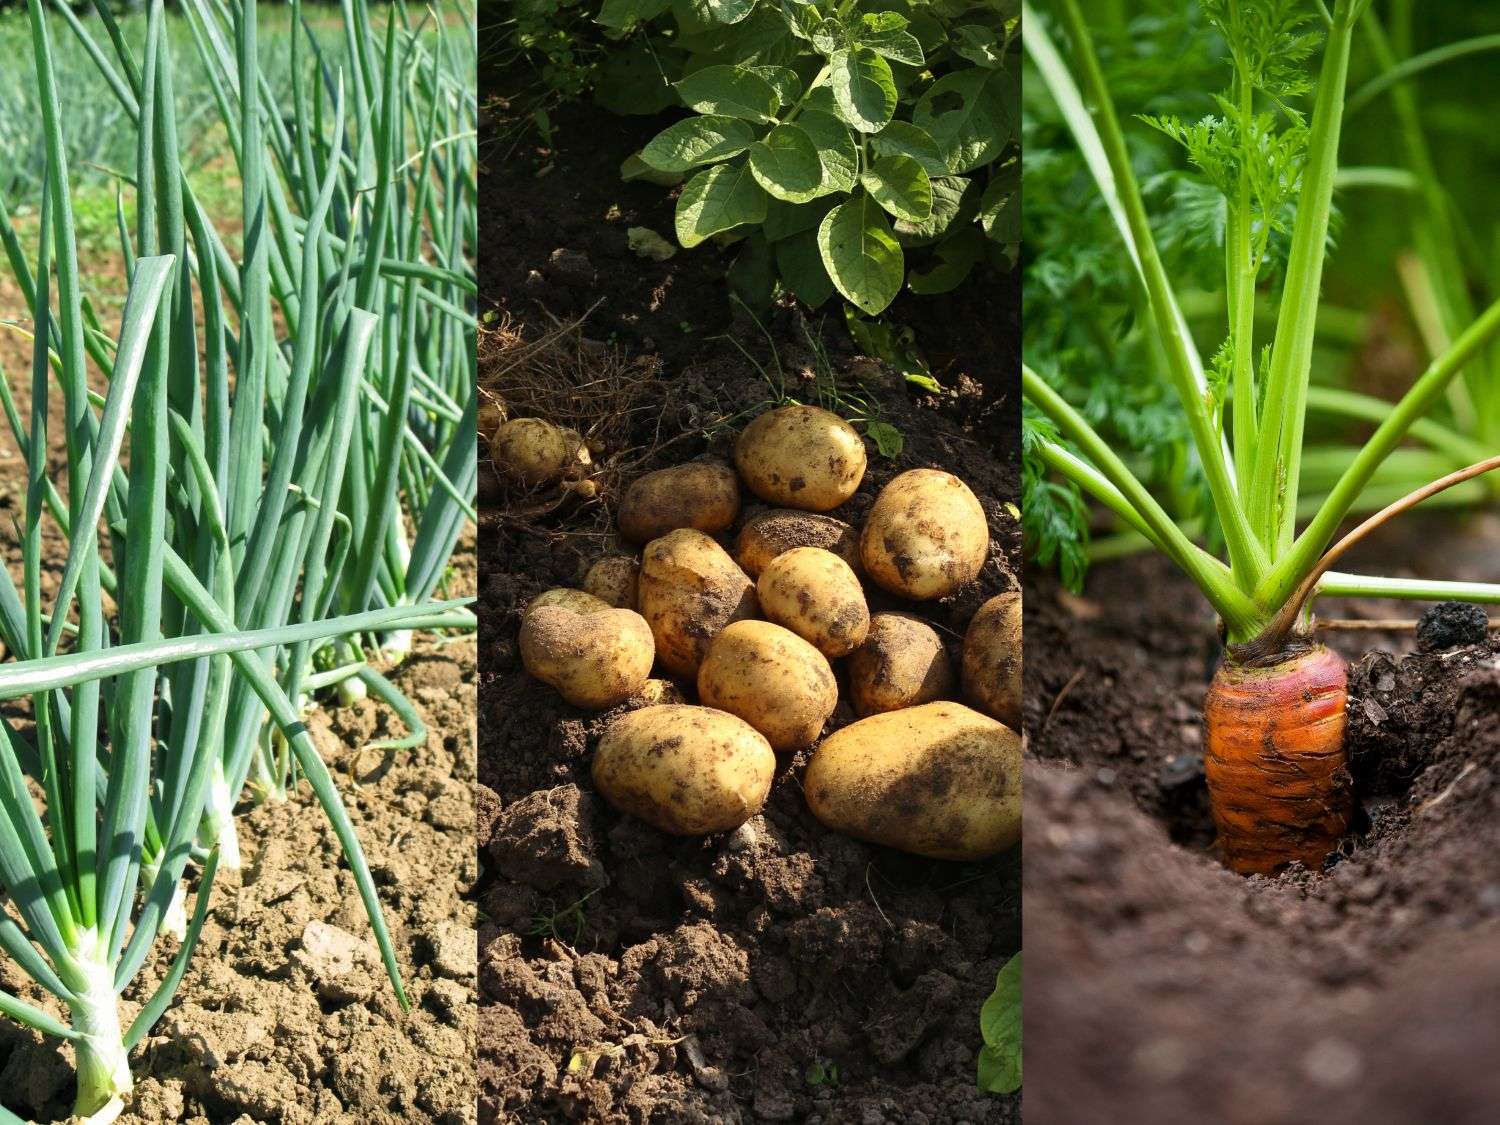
(1182, 769)
(1451, 625)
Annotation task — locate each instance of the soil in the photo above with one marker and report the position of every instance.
(1161, 987)
(779, 972)
(285, 1014)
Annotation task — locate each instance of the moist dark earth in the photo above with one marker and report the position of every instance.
(780, 972)
(1161, 987)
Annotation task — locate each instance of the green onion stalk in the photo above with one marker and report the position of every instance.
(348, 324)
(151, 670)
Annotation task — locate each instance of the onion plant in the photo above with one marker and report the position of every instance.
(340, 214)
(202, 504)
(1243, 412)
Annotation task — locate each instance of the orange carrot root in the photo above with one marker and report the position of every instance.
(1278, 776)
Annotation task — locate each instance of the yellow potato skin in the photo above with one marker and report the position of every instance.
(579, 601)
(685, 770)
(654, 692)
(689, 590)
(925, 536)
(595, 660)
(614, 579)
(801, 457)
(816, 595)
(702, 495)
(534, 452)
(775, 532)
(939, 780)
(902, 663)
(992, 659)
(771, 678)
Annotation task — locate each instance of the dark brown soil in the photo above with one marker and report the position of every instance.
(1160, 987)
(781, 972)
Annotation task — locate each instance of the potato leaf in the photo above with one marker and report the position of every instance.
(800, 264)
(902, 138)
(1000, 1027)
(786, 164)
(863, 260)
(837, 151)
(719, 11)
(718, 199)
(697, 140)
(901, 186)
(863, 87)
(731, 91)
(972, 114)
(885, 33)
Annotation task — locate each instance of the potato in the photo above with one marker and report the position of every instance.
(992, 659)
(816, 595)
(689, 590)
(771, 678)
(654, 692)
(577, 600)
(939, 780)
(902, 663)
(702, 495)
(779, 530)
(925, 536)
(534, 452)
(685, 770)
(613, 579)
(593, 660)
(801, 457)
(488, 419)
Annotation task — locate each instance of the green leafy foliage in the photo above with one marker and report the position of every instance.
(837, 139)
(1000, 1027)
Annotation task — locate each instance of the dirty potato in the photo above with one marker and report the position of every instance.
(654, 692)
(925, 536)
(579, 601)
(902, 663)
(939, 780)
(593, 660)
(816, 595)
(689, 590)
(771, 678)
(534, 452)
(775, 532)
(992, 659)
(613, 579)
(702, 495)
(801, 457)
(685, 770)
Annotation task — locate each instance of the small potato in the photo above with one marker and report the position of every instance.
(594, 660)
(938, 780)
(771, 678)
(534, 452)
(654, 692)
(992, 659)
(925, 536)
(685, 770)
(779, 530)
(801, 457)
(577, 600)
(901, 664)
(816, 595)
(488, 419)
(613, 579)
(689, 590)
(702, 495)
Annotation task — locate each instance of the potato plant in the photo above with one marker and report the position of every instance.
(834, 139)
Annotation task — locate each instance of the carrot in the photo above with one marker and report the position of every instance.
(1278, 777)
